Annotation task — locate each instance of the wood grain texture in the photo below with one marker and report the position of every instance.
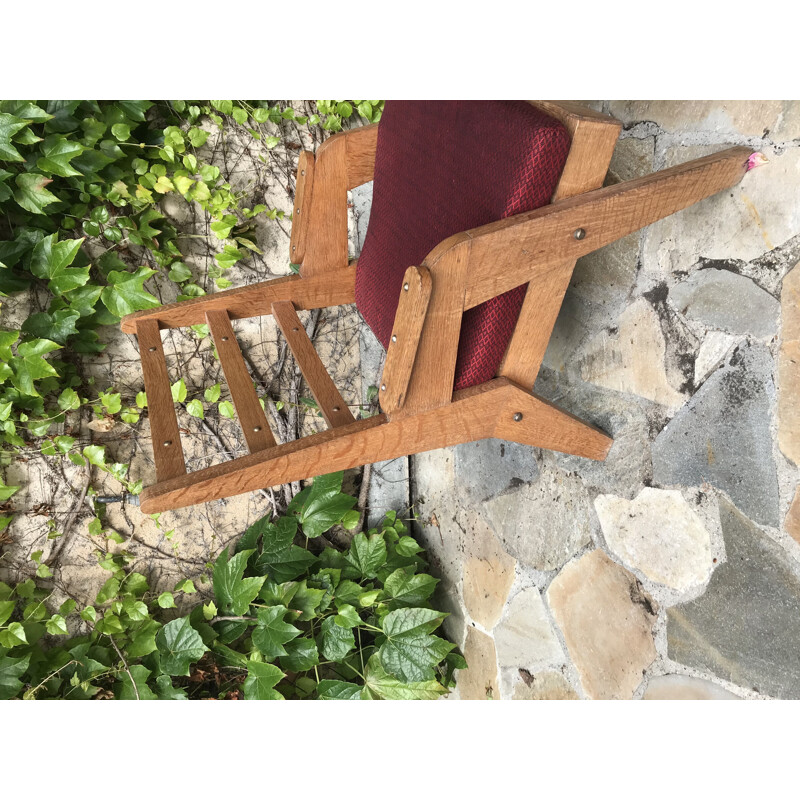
(326, 236)
(431, 381)
(334, 409)
(528, 419)
(304, 188)
(472, 415)
(408, 321)
(515, 250)
(590, 154)
(252, 419)
(361, 144)
(318, 291)
(164, 434)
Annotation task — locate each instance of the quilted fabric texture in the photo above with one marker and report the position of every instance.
(442, 168)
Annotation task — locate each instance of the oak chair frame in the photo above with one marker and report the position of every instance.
(420, 410)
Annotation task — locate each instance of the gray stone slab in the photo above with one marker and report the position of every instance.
(721, 299)
(492, 466)
(746, 627)
(723, 436)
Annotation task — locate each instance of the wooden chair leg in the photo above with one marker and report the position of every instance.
(528, 419)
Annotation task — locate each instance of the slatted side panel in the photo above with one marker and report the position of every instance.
(252, 419)
(330, 402)
(167, 448)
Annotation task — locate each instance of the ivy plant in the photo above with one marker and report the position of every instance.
(283, 618)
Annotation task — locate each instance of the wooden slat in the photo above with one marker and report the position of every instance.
(513, 251)
(431, 381)
(593, 139)
(361, 146)
(333, 408)
(326, 240)
(166, 439)
(319, 291)
(301, 217)
(475, 413)
(408, 321)
(251, 416)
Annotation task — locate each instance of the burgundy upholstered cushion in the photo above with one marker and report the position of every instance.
(442, 168)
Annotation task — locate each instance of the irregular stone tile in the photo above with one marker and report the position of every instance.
(659, 534)
(488, 575)
(568, 332)
(604, 277)
(630, 358)
(607, 621)
(479, 681)
(746, 627)
(721, 299)
(545, 686)
(757, 215)
(525, 637)
(545, 523)
(712, 353)
(723, 436)
(632, 158)
(789, 368)
(491, 466)
(774, 118)
(792, 522)
(684, 687)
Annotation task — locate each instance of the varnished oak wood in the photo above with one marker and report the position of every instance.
(408, 320)
(515, 250)
(361, 145)
(333, 408)
(304, 187)
(164, 434)
(319, 291)
(251, 416)
(592, 144)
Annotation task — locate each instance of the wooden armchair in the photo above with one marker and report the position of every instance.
(420, 408)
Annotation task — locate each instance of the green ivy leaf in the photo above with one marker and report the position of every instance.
(367, 554)
(178, 390)
(31, 194)
(13, 635)
(410, 652)
(179, 645)
(166, 600)
(271, 632)
(233, 592)
(337, 642)
(226, 409)
(380, 685)
(140, 675)
(325, 505)
(126, 294)
(166, 690)
(9, 126)
(260, 680)
(195, 409)
(31, 366)
(301, 655)
(307, 600)
(121, 132)
(57, 152)
(212, 394)
(56, 625)
(198, 137)
(11, 670)
(408, 589)
(338, 690)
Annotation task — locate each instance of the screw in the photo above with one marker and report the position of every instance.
(224, 338)
(295, 329)
(297, 212)
(383, 387)
(336, 408)
(405, 287)
(294, 247)
(579, 234)
(302, 172)
(152, 349)
(257, 428)
(394, 338)
(167, 443)
(518, 416)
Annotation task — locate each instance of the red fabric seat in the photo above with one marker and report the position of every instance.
(446, 167)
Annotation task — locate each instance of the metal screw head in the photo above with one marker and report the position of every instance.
(394, 338)
(336, 408)
(257, 428)
(518, 416)
(383, 387)
(224, 338)
(294, 247)
(405, 287)
(297, 212)
(167, 443)
(152, 349)
(579, 233)
(302, 172)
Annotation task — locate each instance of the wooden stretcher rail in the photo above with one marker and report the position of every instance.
(166, 439)
(330, 402)
(251, 416)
